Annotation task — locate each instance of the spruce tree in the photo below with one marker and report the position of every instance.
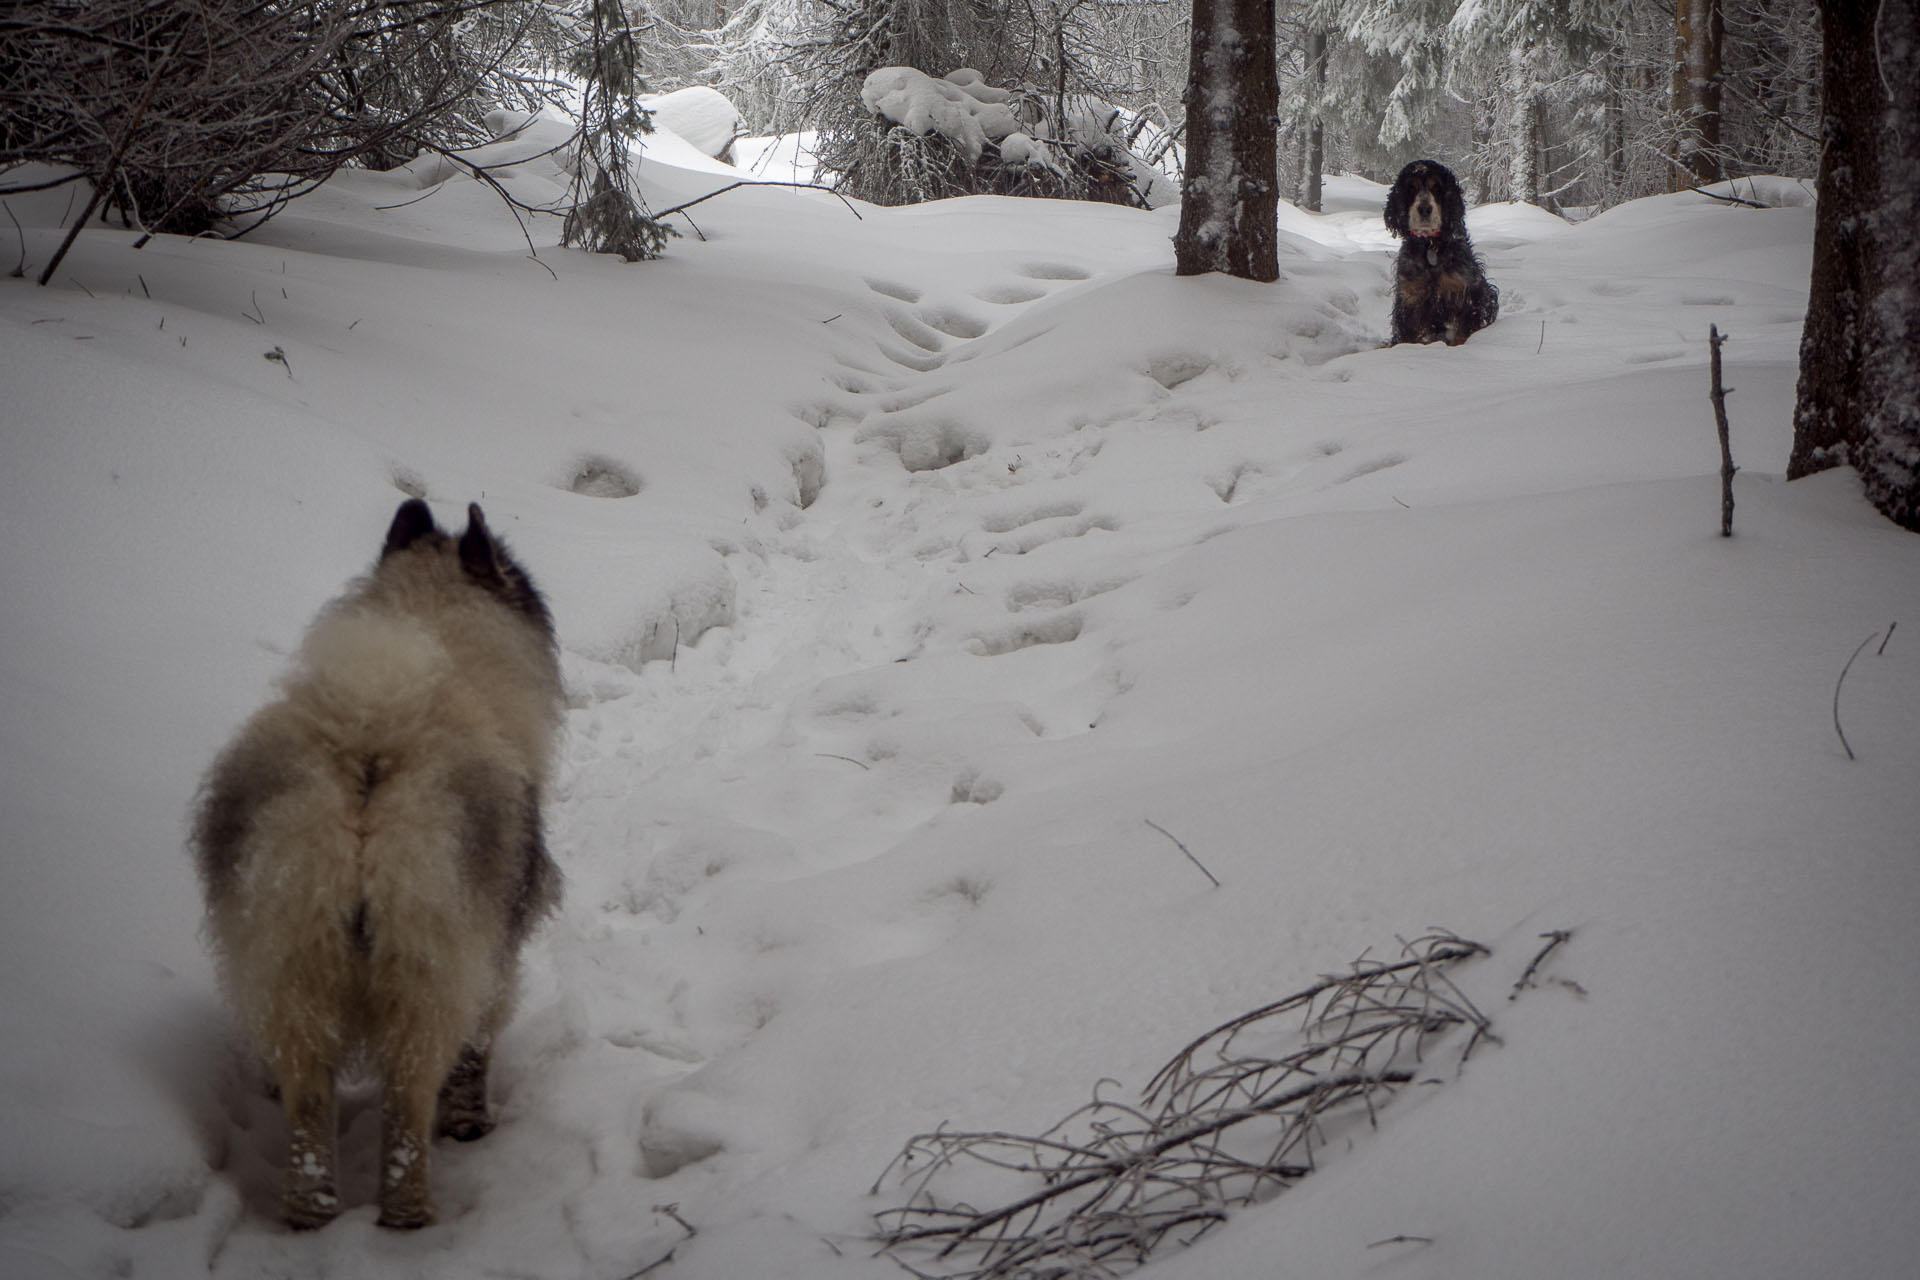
(608, 214)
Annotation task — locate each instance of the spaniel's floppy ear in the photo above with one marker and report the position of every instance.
(1453, 204)
(1396, 211)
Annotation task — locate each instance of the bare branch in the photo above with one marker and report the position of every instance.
(1236, 1116)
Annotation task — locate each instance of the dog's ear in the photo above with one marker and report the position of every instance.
(411, 522)
(477, 551)
(1453, 204)
(1395, 213)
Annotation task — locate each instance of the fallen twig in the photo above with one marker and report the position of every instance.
(1526, 983)
(1224, 1123)
(1183, 848)
(1843, 679)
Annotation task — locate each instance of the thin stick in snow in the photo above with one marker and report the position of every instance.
(1527, 983)
(1183, 848)
(1714, 339)
(1843, 679)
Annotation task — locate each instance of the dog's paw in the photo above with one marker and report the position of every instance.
(310, 1208)
(466, 1126)
(407, 1218)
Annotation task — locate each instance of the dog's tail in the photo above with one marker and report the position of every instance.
(368, 679)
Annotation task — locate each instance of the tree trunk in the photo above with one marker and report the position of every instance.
(1524, 177)
(1859, 394)
(1229, 206)
(1699, 29)
(1316, 133)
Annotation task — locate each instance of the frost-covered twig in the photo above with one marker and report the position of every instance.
(1236, 1116)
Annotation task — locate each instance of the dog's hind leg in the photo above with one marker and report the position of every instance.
(463, 1098)
(406, 1155)
(419, 1032)
(310, 1198)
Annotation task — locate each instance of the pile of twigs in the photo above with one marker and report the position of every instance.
(1234, 1117)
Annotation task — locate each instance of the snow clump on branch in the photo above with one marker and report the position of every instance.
(961, 108)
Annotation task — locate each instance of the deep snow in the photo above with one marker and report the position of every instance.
(855, 794)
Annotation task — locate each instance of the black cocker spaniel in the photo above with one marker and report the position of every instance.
(1439, 288)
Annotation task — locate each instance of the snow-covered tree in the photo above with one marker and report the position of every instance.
(1230, 192)
(183, 114)
(1859, 394)
(607, 213)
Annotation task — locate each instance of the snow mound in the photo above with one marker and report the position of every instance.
(704, 117)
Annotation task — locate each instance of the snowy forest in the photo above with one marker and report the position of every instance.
(895, 708)
(1568, 104)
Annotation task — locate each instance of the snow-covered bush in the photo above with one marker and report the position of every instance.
(958, 135)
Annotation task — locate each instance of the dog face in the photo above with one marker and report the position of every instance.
(1425, 202)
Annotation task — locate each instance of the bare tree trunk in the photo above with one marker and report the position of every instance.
(1316, 130)
(1859, 394)
(1228, 213)
(1699, 31)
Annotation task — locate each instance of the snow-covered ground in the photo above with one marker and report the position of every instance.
(908, 563)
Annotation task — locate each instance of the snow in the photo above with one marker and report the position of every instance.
(958, 107)
(697, 114)
(907, 565)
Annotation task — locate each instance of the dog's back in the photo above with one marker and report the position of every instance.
(370, 844)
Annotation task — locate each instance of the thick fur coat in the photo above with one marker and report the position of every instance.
(1440, 290)
(371, 851)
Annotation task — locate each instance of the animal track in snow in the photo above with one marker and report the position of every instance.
(971, 889)
(1177, 368)
(819, 416)
(1369, 467)
(1031, 537)
(1059, 628)
(898, 292)
(916, 331)
(1053, 271)
(1009, 520)
(954, 322)
(851, 383)
(1010, 294)
(409, 482)
(926, 446)
(899, 401)
(971, 788)
(1060, 592)
(1226, 485)
(595, 476)
(920, 361)
(1652, 357)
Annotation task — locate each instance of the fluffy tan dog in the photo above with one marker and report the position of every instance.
(371, 850)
